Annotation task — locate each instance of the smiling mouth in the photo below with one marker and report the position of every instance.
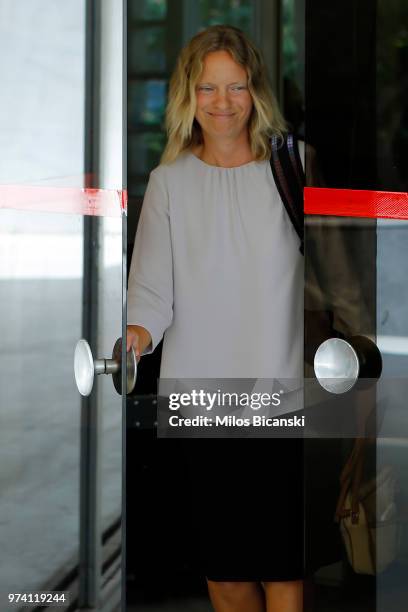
(221, 114)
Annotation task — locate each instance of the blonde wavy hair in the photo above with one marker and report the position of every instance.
(183, 130)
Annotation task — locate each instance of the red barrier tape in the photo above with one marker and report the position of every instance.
(356, 203)
(69, 200)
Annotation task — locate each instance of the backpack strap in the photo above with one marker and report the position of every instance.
(290, 179)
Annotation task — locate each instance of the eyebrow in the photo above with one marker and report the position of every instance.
(213, 84)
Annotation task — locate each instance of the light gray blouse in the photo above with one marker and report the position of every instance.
(217, 269)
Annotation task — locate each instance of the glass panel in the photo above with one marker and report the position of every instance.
(290, 44)
(144, 151)
(392, 93)
(146, 103)
(340, 301)
(341, 91)
(392, 294)
(110, 322)
(138, 191)
(41, 284)
(371, 557)
(147, 10)
(45, 299)
(41, 315)
(392, 445)
(42, 102)
(238, 13)
(293, 64)
(356, 129)
(146, 51)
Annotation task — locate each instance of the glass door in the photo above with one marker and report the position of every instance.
(62, 266)
(355, 294)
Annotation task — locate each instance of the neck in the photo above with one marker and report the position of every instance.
(225, 152)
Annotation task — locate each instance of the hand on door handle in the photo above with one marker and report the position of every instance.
(139, 338)
(85, 367)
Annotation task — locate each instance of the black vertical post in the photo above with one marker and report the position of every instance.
(90, 534)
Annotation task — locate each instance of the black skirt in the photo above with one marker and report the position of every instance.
(262, 509)
(247, 508)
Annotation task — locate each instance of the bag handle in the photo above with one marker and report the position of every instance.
(352, 473)
(350, 479)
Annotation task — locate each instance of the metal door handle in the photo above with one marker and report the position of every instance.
(339, 364)
(85, 367)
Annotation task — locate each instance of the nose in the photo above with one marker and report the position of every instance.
(222, 100)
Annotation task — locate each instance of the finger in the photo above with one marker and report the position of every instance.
(133, 342)
(130, 340)
(136, 344)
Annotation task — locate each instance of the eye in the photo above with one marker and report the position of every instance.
(238, 87)
(204, 88)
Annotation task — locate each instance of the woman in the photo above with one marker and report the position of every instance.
(217, 268)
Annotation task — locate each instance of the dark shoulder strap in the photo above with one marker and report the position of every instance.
(290, 179)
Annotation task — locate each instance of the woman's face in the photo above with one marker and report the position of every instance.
(224, 103)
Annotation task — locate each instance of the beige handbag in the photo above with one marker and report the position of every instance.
(367, 515)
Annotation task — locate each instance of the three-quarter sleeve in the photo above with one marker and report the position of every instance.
(150, 285)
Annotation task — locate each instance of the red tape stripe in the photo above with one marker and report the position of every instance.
(68, 200)
(356, 203)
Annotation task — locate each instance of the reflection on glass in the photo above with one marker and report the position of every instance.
(391, 524)
(41, 314)
(138, 191)
(110, 321)
(293, 64)
(339, 302)
(146, 102)
(238, 13)
(144, 151)
(147, 52)
(392, 295)
(392, 446)
(41, 282)
(289, 42)
(369, 296)
(392, 320)
(146, 10)
(42, 101)
(392, 96)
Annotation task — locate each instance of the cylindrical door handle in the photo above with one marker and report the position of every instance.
(339, 364)
(85, 367)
